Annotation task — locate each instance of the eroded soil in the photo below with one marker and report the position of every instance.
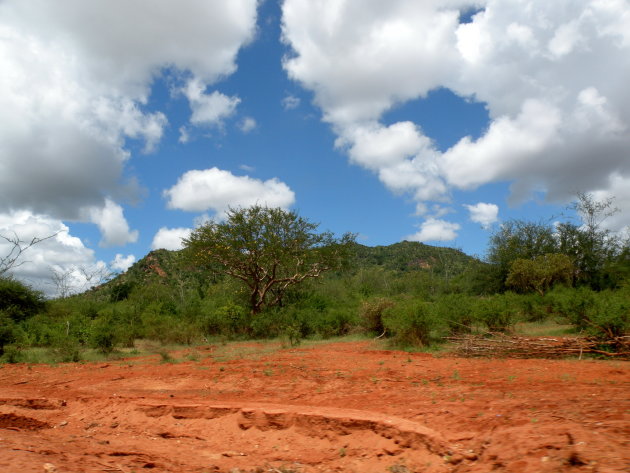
(330, 407)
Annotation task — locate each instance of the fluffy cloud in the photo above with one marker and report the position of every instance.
(555, 125)
(76, 78)
(217, 190)
(122, 263)
(248, 124)
(208, 109)
(170, 238)
(433, 229)
(112, 223)
(62, 253)
(483, 214)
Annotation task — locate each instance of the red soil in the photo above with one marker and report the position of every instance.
(330, 407)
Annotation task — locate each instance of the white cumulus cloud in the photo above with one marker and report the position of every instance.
(76, 79)
(122, 263)
(555, 124)
(217, 190)
(62, 252)
(170, 238)
(483, 213)
(208, 109)
(112, 223)
(434, 229)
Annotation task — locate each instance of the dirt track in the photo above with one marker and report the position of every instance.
(329, 407)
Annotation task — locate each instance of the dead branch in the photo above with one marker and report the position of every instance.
(501, 345)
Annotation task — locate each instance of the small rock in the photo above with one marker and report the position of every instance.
(469, 455)
(63, 423)
(50, 468)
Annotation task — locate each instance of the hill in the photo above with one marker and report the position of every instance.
(172, 268)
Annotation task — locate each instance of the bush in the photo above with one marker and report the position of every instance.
(576, 305)
(457, 312)
(19, 301)
(121, 291)
(371, 314)
(410, 323)
(64, 348)
(533, 308)
(103, 334)
(497, 312)
(7, 331)
(228, 320)
(610, 317)
(13, 354)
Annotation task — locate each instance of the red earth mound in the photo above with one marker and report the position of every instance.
(343, 407)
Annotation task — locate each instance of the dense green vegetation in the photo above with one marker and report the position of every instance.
(409, 293)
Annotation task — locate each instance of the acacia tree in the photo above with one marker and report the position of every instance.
(541, 273)
(591, 245)
(268, 249)
(517, 239)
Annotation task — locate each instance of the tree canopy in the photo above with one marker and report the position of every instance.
(541, 273)
(268, 249)
(521, 249)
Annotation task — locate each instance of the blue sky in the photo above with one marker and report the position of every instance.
(125, 124)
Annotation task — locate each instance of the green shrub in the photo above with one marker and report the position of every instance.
(498, 312)
(121, 291)
(610, 315)
(534, 308)
(371, 314)
(12, 354)
(333, 322)
(229, 320)
(410, 323)
(103, 334)
(576, 305)
(64, 348)
(18, 301)
(7, 331)
(457, 312)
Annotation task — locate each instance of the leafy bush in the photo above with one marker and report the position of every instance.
(497, 312)
(64, 348)
(19, 301)
(457, 312)
(534, 308)
(13, 354)
(103, 334)
(121, 291)
(610, 315)
(371, 314)
(576, 305)
(7, 330)
(410, 323)
(228, 320)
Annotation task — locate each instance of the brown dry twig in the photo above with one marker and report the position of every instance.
(502, 345)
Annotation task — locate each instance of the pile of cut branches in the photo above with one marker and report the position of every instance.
(502, 345)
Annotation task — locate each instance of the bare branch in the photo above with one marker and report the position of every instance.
(18, 247)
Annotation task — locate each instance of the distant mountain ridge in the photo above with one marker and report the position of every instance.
(167, 265)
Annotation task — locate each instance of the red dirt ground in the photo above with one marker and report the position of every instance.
(343, 407)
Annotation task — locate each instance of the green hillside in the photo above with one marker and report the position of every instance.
(171, 268)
